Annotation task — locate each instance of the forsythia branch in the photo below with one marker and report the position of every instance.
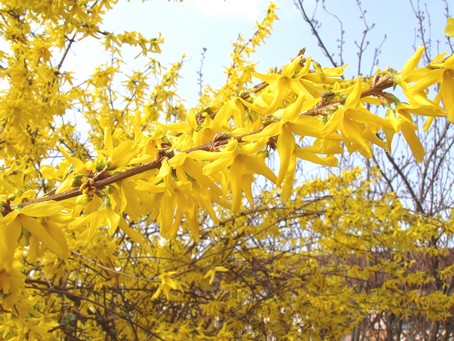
(379, 84)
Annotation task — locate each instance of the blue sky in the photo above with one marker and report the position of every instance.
(191, 25)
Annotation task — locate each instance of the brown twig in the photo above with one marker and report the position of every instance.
(108, 180)
(376, 90)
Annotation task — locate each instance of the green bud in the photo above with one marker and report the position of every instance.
(100, 165)
(76, 183)
(106, 201)
(83, 199)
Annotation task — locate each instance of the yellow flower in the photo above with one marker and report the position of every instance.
(292, 79)
(244, 161)
(11, 283)
(401, 120)
(439, 71)
(442, 73)
(290, 121)
(357, 125)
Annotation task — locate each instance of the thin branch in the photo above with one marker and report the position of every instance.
(299, 5)
(342, 32)
(377, 52)
(362, 46)
(448, 15)
(425, 41)
(67, 49)
(407, 183)
(199, 73)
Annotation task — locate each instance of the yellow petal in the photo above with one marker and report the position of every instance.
(194, 169)
(42, 209)
(449, 63)
(204, 199)
(270, 130)
(292, 112)
(218, 165)
(9, 238)
(176, 127)
(236, 174)
(132, 201)
(66, 184)
(134, 235)
(389, 133)
(257, 165)
(419, 99)
(449, 29)
(412, 63)
(280, 93)
(285, 146)
(247, 180)
(203, 155)
(352, 132)
(191, 119)
(305, 154)
(267, 77)
(428, 123)
(288, 180)
(252, 148)
(167, 208)
(447, 94)
(290, 69)
(429, 78)
(177, 160)
(307, 126)
(423, 111)
(164, 170)
(122, 154)
(57, 234)
(193, 225)
(50, 172)
(108, 144)
(41, 233)
(322, 146)
(210, 274)
(393, 120)
(227, 110)
(77, 164)
(146, 186)
(305, 70)
(354, 97)
(414, 143)
(365, 116)
(178, 217)
(334, 123)
(112, 220)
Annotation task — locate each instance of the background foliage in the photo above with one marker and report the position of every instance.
(249, 250)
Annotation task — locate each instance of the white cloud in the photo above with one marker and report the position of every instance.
(248, 9)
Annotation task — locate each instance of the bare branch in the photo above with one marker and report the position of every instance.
(315, 31)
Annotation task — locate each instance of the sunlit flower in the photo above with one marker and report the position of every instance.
(440, 71)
